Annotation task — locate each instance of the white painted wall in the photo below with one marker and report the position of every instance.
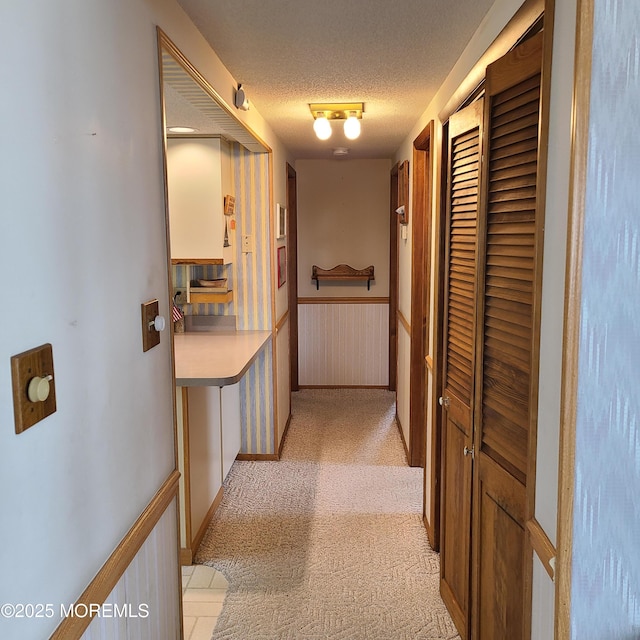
(553, 291)
(553, 281)
(543, 603)
(343, 217)
(82, 233)
(82, 244)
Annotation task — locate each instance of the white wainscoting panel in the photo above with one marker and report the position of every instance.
(283, 388)
(343, 344)
(150, 583)
(404, 383)
(543, 601)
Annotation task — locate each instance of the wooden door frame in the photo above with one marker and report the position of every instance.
(393, 280)
(420, 292)
(292, 272)
(432, 512)
(572, 313)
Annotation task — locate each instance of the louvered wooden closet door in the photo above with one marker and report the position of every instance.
(465, 136)
(506, 335)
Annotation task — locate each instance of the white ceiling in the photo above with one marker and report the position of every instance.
(392, 56)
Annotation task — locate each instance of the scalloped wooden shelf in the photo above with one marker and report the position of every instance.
(342, 272)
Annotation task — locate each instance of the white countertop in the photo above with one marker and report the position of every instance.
(215, 358)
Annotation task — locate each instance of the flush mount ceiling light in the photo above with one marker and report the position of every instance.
(350, 113)
(181, 129)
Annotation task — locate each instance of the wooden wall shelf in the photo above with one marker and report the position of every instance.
(192, 261)
(342, 272)
(211, 298)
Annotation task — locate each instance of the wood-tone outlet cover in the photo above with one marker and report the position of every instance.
(25, 366)
(150, 337)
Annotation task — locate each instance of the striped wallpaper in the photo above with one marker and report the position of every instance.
(252, 294)
(256, 405)
(250, 175)
(180, 276)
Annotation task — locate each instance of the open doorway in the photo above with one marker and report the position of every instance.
(203, 171)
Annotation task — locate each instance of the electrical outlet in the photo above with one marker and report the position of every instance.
(247, 244)
(34, 389)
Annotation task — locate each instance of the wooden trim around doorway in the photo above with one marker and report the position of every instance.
(393, 278)
(573, 296)
(292, 272)
(420, 291)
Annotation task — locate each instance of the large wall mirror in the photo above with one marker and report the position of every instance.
(189, 100)
(200, 172)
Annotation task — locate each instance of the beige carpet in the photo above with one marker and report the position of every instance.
(328, 542)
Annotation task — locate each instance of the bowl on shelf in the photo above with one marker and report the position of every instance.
(220, 283)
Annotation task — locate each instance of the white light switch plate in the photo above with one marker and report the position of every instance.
(247, 244)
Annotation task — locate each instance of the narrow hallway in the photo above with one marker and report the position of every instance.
(329, 541)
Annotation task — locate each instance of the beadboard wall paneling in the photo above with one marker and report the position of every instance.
(403, 393)
(150, 583)
(605, 598)
(343, 344)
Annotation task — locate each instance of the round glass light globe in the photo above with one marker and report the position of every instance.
(352, 127)
(322, 127)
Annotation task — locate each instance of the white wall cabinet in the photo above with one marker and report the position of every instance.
(198, 178)
(208, 444)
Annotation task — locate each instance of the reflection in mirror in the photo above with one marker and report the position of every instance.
(214, 283)
(189, 101)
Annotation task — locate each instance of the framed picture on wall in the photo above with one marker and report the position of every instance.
(281, 221)
(282, 266)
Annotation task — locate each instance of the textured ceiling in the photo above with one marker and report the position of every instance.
(288, 53)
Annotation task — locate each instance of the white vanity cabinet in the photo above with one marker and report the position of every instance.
(231, 434)
(208, 445)
(198, 178)
(209, 367)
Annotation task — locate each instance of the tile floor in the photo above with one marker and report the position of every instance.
(203, 592)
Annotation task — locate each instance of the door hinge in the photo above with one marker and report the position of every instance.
(469, 452)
